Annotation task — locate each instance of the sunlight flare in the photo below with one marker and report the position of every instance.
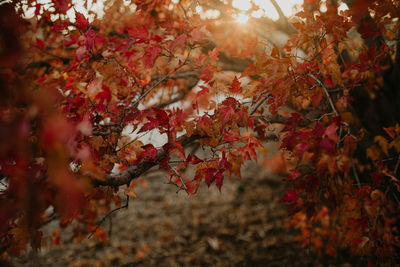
(242, 18)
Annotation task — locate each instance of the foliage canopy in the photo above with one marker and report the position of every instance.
(77, 98)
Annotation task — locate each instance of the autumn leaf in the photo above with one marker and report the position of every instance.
(213, 54)
(59, 27)
(291, 196)
(138, 32)
(81, 22)
(219, 179)
(94, 87)
(383, 143)
(328, 82)
(331, 133)
(209, 175)
(149, 151)
(129, 192)
(179, 41)
(316, 99)
(236, 87)
(206, 74)
(294, 174)
(150, 55)
(204, 90)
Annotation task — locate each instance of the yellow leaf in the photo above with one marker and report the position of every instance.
(383, 143)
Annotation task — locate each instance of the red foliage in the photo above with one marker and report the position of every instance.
(85, 94)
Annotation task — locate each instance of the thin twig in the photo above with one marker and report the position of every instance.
(180, 177)
(135, 102)
(326, 93)
(397, 166)
(355, 174)
(108, 215)
(258, 104)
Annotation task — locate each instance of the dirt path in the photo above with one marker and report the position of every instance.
(242, 226)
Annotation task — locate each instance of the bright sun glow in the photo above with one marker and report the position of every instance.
(241, 4)
(242, 18)
(266, 8)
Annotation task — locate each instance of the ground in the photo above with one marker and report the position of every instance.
(244, 225)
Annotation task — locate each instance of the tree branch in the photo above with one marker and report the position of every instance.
(133, 172)
(287, 27)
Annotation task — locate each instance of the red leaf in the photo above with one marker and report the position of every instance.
(139, 32)
(330, 132)
(328, 81)
(60, 27)
(206, 74)
(37, 9)
(291, 196)
(294, 174)
(39, 43)
(235, 87)
(226, 113)
(149, 126)
(219, 179)
(81, 21)
(191, 187)
(195, 160)
(229, 137)
(149, 151)
(164, 164)
(209, 175)
(389, 131)
(204, 90)
(368, 30)
(150, 56)
(179, 41)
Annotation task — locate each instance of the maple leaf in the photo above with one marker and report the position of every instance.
(94, 87)
(236, 87)
(149, 152)
(179, 41)
(204, 90)
(138, 32)
(291, 196)
(213, 54)
(219, 179)
(226, 113)
(59, 27)
(195, 160)
(81, 22)
(209, 175)
(330, 132)
(164, 164)
(61, 6)
(383, 143)
(150, 55)
(316, 99)
(294, 174)
(328, 81)
(104, 95)
(389, 131)
(196, 35)
(149, 126)
(206, 74)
